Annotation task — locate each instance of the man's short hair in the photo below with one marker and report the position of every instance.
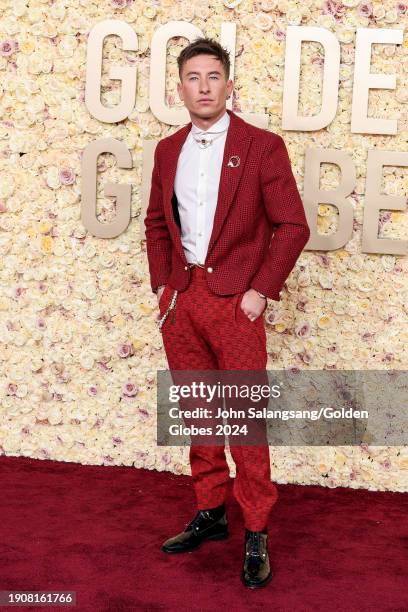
(208, 46)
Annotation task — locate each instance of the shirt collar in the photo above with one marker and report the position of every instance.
(218, 126)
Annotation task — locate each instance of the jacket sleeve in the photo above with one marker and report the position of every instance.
(158, 240)
(285, 211)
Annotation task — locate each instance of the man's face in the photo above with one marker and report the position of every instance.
(204, 87)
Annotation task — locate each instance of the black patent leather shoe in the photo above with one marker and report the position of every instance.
(256, 572)
(206, 525)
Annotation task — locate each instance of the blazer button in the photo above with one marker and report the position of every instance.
(186, 267)
(209, 269)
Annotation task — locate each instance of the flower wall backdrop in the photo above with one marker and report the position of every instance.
(79, 343)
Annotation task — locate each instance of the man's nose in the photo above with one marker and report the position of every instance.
(204, 86)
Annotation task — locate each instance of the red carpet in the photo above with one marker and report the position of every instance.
(98, 530)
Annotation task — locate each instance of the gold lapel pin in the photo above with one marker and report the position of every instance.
(234, 161)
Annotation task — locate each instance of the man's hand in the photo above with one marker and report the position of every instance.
(252, 304)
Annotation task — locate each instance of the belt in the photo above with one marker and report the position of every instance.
(195, 263)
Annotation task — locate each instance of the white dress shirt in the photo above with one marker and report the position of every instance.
(196, 187)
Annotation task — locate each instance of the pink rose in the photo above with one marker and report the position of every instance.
(272, 317)
(303, 330)
(365, 9)
(330, 7)
(130, 389)
(66, 176)
(7, 47)
(11, 389)
(125, 350)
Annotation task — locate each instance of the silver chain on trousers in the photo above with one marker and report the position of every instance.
(172, 306)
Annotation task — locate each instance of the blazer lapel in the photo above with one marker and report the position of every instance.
(172, 154)
(236, 146)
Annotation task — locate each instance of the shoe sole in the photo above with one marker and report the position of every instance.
(256, 586)
(218, 536)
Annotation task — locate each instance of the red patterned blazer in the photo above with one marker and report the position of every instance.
(259, 228)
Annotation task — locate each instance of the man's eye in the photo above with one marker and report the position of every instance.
(211, 77)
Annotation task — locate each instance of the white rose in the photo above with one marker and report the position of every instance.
(46, 28)
(402, 95)
(263, 21)
(59, 247)
(391, 16)
(326, 21)
(231, 4)
(202, 11)
(6, 224)
(345, 35)
(95, 312)
(150, 11)
(294, 16)
(326, 280)
(105, 283)
(107, 260)
(89, 291)
(303, 279)
(378, 12)
(67, 46)
(6, 185)
(268, 5)
(36, 363)
(11, 25)
(39, 63)
(22, 390)
(87, 360)
(89, 251)
(54, 416)
(52, 178)
(57, 11)
(19, 7)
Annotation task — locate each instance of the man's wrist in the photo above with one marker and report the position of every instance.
(261, 294)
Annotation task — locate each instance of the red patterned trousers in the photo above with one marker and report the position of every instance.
(211, 332)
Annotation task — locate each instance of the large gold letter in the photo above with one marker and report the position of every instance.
(364, 81)
(313, 196)
(294, 37)
(375, 201)
(125, 74)
(88, 189)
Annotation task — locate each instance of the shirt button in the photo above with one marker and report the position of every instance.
(200, 233)
(209, 269)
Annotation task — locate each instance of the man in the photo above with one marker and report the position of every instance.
(224, 227)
